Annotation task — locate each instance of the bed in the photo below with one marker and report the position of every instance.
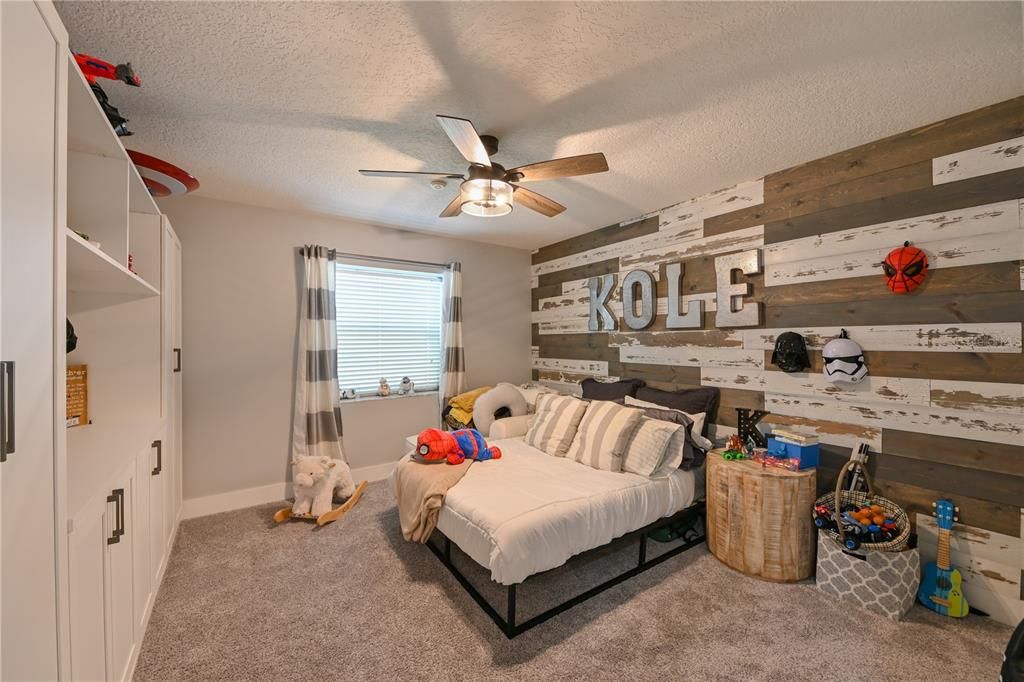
(530, 512)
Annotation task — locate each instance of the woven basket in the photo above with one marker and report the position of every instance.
(841, 497)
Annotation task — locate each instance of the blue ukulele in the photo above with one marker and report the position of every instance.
(940, 585)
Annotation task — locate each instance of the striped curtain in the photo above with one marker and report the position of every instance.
(453, 354)
(316, 427)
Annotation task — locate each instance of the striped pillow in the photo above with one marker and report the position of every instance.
(603, 434)
(555, 424)
(647, 447)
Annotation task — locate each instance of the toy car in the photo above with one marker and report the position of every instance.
(823, 517)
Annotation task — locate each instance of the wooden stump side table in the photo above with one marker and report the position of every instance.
(759, 518)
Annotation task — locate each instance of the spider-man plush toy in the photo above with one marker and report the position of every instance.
(905, 268)
(434, 446)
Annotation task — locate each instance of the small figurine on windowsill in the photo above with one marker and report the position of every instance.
(384, 390)
(407, 386)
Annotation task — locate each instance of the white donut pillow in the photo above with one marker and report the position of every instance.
(502, 395)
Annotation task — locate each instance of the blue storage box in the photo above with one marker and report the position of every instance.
(806, 454)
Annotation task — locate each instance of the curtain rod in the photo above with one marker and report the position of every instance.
(384, 259)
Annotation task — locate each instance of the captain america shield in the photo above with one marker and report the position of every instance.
(162, 179)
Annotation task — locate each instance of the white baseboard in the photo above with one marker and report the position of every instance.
(250, 497)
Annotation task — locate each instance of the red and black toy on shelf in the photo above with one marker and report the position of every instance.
(93, 68)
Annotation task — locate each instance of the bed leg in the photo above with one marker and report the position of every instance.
(643, 550)
(510, 618)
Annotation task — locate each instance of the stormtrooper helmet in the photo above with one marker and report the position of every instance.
(844, 360)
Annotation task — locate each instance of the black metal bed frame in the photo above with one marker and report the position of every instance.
(690, 535)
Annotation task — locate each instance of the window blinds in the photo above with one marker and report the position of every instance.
(389, 325)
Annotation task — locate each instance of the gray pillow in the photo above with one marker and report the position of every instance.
(693, 454)
(610, 390)
(691, 400)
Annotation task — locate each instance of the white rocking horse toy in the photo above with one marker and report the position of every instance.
(314, 482)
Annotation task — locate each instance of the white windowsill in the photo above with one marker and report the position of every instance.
(393, 396)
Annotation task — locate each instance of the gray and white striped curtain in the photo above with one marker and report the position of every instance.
(316, 428)
(453, 354)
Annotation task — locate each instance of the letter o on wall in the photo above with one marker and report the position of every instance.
(645, 317)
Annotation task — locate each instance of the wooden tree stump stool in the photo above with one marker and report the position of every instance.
(759, 518)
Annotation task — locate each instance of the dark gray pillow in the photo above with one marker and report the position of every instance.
(689, 400)
(610, 390)
(693, 454)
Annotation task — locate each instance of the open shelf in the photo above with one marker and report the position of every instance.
(89, 132)
(90, 270)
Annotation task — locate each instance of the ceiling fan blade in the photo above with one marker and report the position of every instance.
(466, 139)
(537, 202)
(454, 208)
(570, 166)
(403, 174)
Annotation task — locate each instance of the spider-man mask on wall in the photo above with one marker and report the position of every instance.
(905, 268)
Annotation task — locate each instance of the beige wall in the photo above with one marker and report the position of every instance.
(240, 271)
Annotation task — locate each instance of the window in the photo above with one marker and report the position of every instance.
(389, 325)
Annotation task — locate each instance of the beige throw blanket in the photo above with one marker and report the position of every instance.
(420, 489)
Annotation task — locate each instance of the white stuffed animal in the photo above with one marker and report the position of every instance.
(314, 480)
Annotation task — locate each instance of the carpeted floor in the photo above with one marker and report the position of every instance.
(244, 598)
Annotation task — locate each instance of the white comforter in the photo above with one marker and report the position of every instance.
(529, 512)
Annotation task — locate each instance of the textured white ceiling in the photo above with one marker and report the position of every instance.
(279, 104)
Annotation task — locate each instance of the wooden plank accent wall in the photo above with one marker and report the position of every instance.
(943, 407)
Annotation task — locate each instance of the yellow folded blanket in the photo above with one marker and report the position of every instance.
(462, 404)
(420, 489)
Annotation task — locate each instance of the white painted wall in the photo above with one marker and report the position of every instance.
(241, 273)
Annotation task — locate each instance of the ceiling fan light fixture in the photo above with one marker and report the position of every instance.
(486, 198)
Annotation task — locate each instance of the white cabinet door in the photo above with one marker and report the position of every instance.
(172, 354)
(119, 577)
(142, 540)
(31, 59)
(156, 481)
(87, 550)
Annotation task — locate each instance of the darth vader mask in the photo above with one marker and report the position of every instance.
(905, 268)
(790, 354)
(844, 360)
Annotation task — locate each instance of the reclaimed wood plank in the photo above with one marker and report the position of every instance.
(872, 389)
(968, 279)
(979, 396)
(956, 195)
(993, 123)
(670, 252)
(970, 163)
(690, 356)
(994, 367)
(832, 433)
(996, 458)
(680, 233)
(712, 338)
(715, 203)
(596, 238)
(1004, 306)
(976, 249)
(664, 377)
(997, 337)
(992, 218)
(993, 428)
(977, 543)
(886, 183)
(584, 271)
(566, 377)
(597, 368)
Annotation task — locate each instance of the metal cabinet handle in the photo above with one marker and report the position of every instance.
(159, 445)
(7, 396)
(117, 497)
(177, 359)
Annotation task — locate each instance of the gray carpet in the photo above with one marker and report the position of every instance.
(246, 599)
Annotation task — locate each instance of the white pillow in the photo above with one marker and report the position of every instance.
(603, 434)
(698, 420)
(674, 452)
(646, 449)
(554, 426)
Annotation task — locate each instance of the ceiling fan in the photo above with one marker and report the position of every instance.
(487, 189)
